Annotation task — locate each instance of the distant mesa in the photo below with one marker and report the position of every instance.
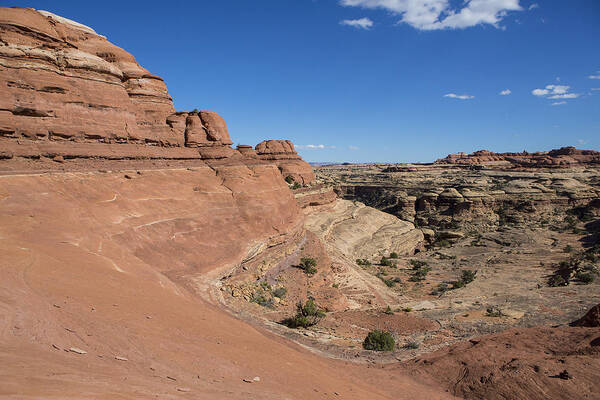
(562, 158)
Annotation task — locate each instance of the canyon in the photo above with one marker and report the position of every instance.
(143, 256)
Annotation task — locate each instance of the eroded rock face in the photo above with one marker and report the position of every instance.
(563, 158)
(591, 319)
(62, 82)
(282, 152)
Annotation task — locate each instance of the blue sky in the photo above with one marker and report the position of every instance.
(371, 80)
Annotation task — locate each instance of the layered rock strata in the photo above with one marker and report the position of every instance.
(282, 153)
(62, 82)
(561, 158)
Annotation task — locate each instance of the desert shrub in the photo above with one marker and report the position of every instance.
(289, 179)
(585, 277)
(307, 314)
(363, 261)
(393, 255)
(389, 282)
(309, 265)
(280, 292)
(407, 309)
(413, 345)
(441, 288)
(336, 285)
(468, 276)
(556, 281)
(420, 274)
(379, 341)
(568, 248)
(265, 285)
(386, 262)
(296, 185)
(388, 311)
(443, 243)
(262, 300)
(416, 264)
(494, 311)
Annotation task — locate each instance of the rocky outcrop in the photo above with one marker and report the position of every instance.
(562, 158)
(64, 83)
(591, 319)
(290, 164)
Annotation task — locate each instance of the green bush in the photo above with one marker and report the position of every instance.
(308, 265)
(568, 248)
(556, 281)
(280, 292)
(417, 264)
(585, 277)
(420, 274)
(296, 185)
(307, 315)
(468, 276)
(379, 341)
(393, 255)
(386, 262)
(262, 300)
(289, 179)
(363, 261)
(389, 311)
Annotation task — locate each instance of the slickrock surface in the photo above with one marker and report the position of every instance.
(120, 219)
(560, 158)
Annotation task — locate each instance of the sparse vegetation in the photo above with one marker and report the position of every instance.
(289, 179)
(280, 292)
(296, 185)
(494, 311)
(262, 300)
(309, 265)
(386, 262)
(378, 340)
(412, 345)
(393, 255)
(388, 311)
(363, 262)
(420, 273)
(307, 315)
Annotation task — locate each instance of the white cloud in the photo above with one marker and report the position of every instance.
(461, 96)
(565, 96)
(581, 141)
(555, 92)
(361, 23)
(440, 14)
(505, 92)
(595, 88)
(559, 103)
(353, 148)
(533, 6)
(594, 76)
(314, 147)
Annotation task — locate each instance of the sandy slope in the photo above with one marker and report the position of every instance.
(99, 262)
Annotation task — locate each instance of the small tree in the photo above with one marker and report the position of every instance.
(307, 315)
(379, 341)
(289, 179)
(308, 265)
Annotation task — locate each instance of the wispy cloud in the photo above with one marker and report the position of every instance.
(581, 141)
(459, 96)
(505, 92)
(534, 6)
(555, 92)
(353, 148)
(440, 14)
(594, 76)
(361, 23)
(559, 103)
(313, 147)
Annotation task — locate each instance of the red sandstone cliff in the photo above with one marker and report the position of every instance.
(563, 157)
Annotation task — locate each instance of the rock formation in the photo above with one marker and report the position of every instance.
(282, 152)
(65, 83)
(561, 158)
